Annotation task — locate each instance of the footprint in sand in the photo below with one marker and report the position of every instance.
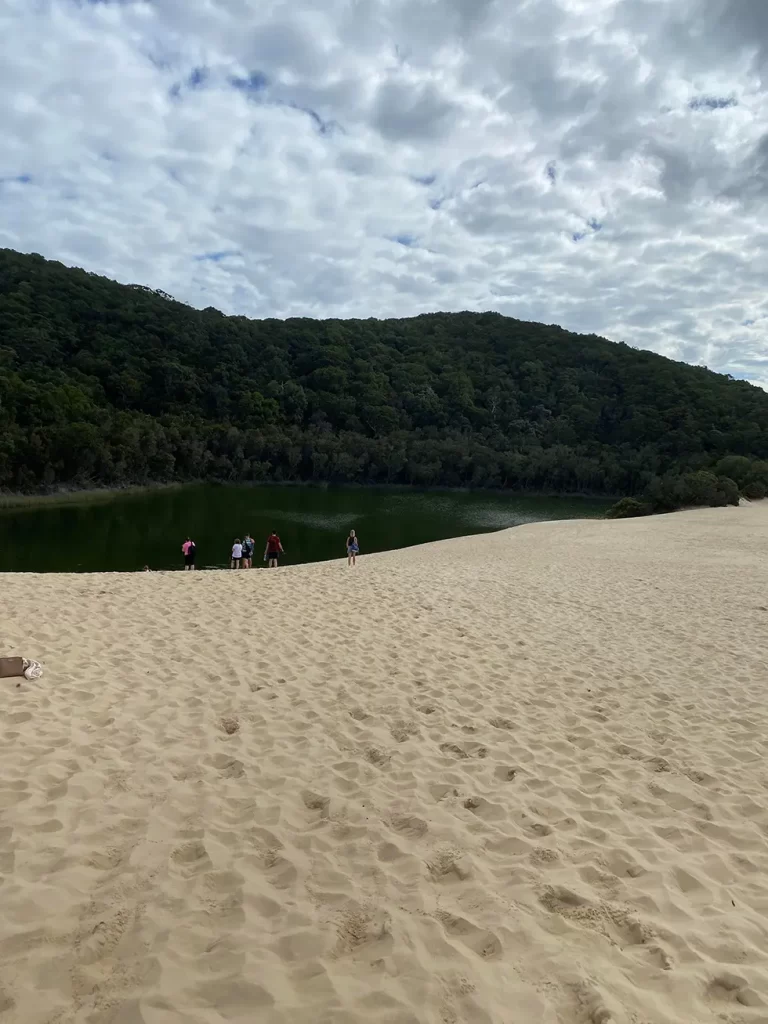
(374, 755)
(730, 988)
(278, 870)
(191, 857)
(447, 864)
(402, 730)
(362, 928)
(462, 753)
(592, 1006)
(539, 828)
(316, 802)
(107, 859)
(234, 998)
(228, 767)
(614, 922)
(102, 938)
(501, 723)
(408, 825)
(484, 808)
(17, 717)
(481, 941)
(454, 749)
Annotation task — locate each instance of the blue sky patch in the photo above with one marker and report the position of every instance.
(217, 257)
(197, 77)
(712, 102)
(255, 82)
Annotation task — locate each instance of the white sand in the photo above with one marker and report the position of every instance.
(513, 778)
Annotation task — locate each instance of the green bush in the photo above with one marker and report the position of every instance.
(728, 492)
(628, 508)
(699, 489)
(755, 490)
(690, 490)
(737, 467)
(703, 488)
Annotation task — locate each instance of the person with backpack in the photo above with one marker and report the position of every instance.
(188, 549)
(248, 546)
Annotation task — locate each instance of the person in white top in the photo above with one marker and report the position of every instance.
(237, 554)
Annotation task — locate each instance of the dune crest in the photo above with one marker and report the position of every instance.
(518, 777)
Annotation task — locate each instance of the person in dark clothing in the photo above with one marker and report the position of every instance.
(188, 549)
(248, 546)
(273, 550)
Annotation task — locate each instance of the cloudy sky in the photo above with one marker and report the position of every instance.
(601, 164)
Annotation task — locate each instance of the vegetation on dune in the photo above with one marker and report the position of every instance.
(103, 384)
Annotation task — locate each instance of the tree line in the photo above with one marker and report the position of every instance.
(103, 384)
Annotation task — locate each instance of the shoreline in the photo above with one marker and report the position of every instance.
(16, 501)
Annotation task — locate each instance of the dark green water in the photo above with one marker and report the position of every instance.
(131, 531)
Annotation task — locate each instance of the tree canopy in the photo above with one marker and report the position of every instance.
(103, 384)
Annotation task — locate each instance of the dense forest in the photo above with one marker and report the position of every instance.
(103, 384)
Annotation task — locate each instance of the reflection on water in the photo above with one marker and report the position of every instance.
(317, 520)
(133, 530)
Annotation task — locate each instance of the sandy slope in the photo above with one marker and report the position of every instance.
(516, 779)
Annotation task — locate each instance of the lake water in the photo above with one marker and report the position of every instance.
(130, 531)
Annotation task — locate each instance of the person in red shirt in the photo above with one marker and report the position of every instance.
(273, 550)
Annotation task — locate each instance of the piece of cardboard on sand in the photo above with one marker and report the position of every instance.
(11, 667)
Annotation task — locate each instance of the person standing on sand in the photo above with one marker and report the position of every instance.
(237, 554)
(188, 549)
(248, 546)
(273, 550)
(353, 548)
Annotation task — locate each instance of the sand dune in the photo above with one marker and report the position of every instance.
(517, 779)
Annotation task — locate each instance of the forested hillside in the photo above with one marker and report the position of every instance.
(108, 384)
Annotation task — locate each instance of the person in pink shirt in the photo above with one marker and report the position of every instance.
(188, 549)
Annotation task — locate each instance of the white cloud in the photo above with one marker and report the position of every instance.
(601, 164)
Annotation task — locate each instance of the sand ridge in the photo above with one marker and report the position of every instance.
(501, 779)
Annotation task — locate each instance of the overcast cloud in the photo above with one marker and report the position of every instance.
(601, 164)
